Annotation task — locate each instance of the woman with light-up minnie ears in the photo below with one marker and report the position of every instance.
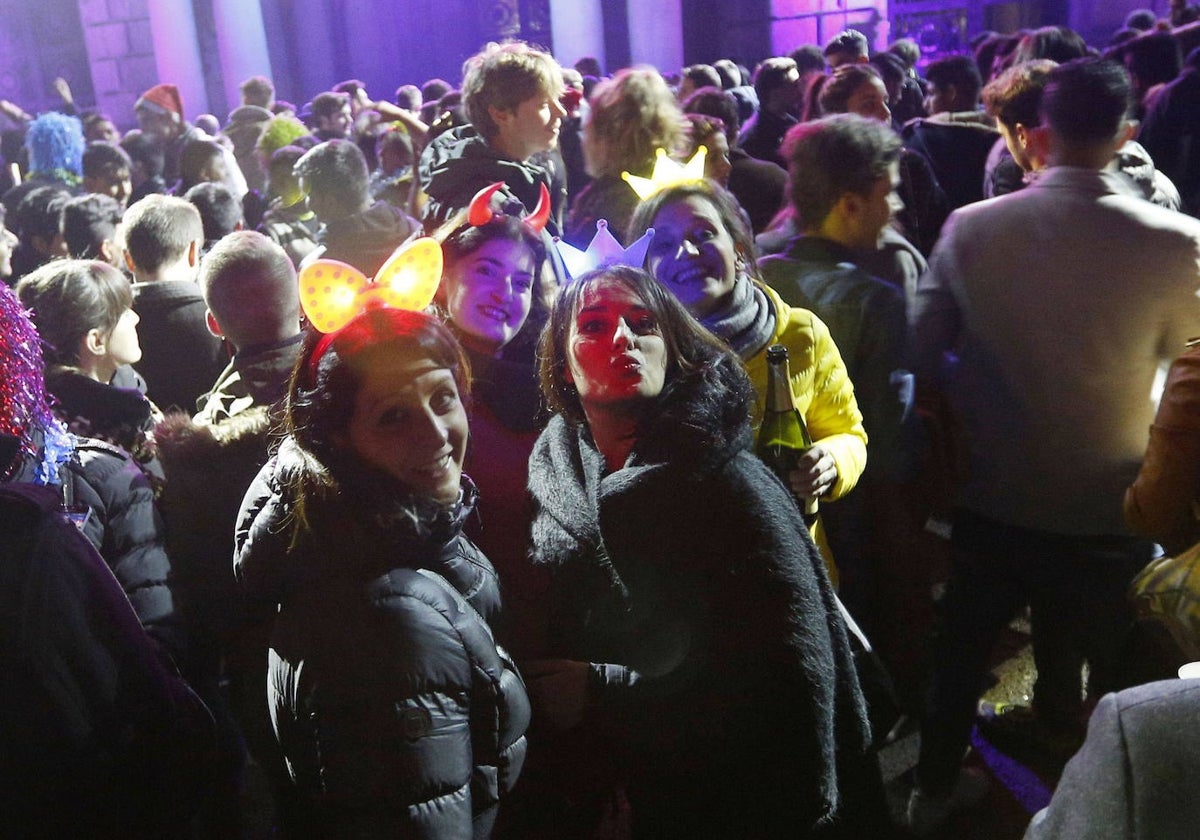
(394, 708)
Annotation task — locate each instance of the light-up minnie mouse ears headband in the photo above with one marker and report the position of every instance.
(333, 293)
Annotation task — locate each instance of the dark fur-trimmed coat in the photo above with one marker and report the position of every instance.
(722, 675)
(208, 470)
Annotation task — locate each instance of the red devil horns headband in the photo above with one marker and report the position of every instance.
(480, 211)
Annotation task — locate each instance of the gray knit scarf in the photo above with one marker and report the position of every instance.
(748, 321)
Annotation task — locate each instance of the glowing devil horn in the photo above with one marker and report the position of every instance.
(541, 213)
(481, 205)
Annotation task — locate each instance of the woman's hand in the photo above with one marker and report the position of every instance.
(815, 473)
(557, 689)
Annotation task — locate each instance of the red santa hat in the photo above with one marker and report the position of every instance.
(164, 99)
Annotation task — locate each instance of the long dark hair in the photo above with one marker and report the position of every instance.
(324, 387)
(701, 371)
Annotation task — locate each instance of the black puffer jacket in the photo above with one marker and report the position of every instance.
(396, 711)
(118, 413)
(459, 163)
(112, 501)
(125, 527)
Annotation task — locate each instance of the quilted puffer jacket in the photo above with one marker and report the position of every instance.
(397, 713)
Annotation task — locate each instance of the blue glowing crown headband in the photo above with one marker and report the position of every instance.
(603, 251)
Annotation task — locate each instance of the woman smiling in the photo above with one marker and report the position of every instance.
(703, 253)
(396, 712)
(491, 292)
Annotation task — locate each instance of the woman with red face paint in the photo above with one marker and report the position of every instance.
(492, 293)
(701, 658)
(395, 710)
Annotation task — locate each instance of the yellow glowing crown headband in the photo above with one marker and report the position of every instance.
(667, 173)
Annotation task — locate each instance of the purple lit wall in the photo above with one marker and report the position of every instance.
(112, 50)
(816, 21)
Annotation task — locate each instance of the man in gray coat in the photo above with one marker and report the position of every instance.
(1047, 314)
(1136, 774)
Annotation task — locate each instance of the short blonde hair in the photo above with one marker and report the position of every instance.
(632, 114)
(503, 75)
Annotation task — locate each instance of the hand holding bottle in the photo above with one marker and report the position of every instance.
(815, 473)
(784, 444)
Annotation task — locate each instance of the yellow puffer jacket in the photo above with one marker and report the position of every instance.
(824, 394)
(821, 389)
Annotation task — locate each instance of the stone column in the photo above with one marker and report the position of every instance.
(656, 33)
(120, 52)
(578, 30)
(177, 52)
(242, 45)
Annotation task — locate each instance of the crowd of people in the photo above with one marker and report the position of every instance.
(458, 531)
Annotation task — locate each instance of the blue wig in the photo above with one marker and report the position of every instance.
(55, 143)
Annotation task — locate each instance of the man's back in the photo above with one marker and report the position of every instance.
(180, 357)
(957, 151)
(1135, 776)
(1170, 131)
(1061, 302)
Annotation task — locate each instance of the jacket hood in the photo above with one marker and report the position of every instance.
(105, 407)
(368, 513)
(265, 371)
(459, 163)
(365, 240)
(1135, 163)
(184, 444)
(460, 158)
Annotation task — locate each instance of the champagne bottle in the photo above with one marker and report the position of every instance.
(783, 436)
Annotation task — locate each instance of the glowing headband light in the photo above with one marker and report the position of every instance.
(667, 173)
(603, 251)
(333, 293)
